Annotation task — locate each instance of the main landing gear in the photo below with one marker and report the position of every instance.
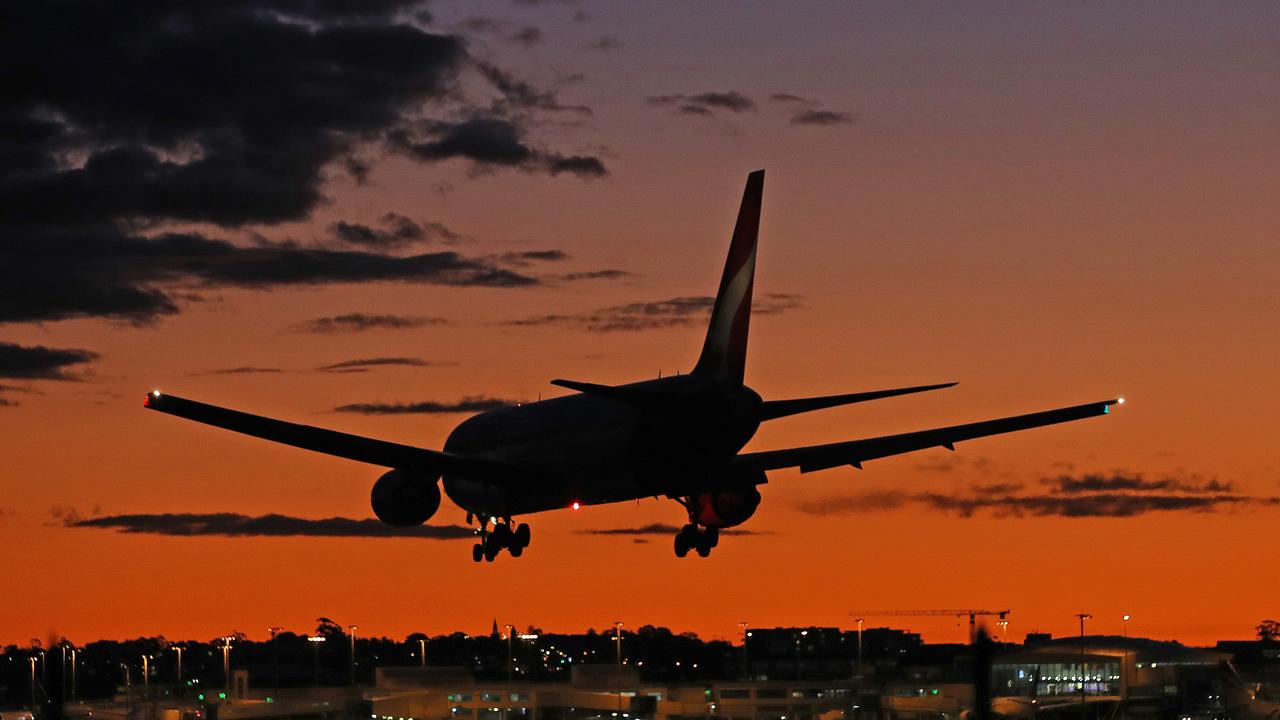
(691, 537)
(502, 537)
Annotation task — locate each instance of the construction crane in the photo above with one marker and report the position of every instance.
(1001, 615)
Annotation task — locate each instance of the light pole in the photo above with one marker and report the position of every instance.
(128, 687)
(62, 681)
(422, 651)
(746, 661)
(860, 621)
(33, 682)
(1083, 706)
(226, 661)
(1125, 618)
(803, 634)
(275, 657)
(73, 673)
(315, 641)
(178, 649)
(146, 679)
(511, 632)
(617, 639)
(353, 629)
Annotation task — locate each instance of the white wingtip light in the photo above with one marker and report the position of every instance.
(1119, 400)
(156, 394)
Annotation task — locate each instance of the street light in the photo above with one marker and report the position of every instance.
(511, 632)
(73, 673)
(1125, 618)
(617, 637)
(275, 656)
(746, 659)
(1083, 707)
(315, 641)
(353, 629)
(860, 621)
(33, 682)
(422, 651)
(178, 649)
(146, 679)
(226, 661)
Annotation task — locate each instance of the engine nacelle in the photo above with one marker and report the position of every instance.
(405, 499)
(730, 504)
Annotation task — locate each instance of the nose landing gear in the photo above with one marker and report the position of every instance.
(502, 537)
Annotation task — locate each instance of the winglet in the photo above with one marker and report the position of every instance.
(724, 352)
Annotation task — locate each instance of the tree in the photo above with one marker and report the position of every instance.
(1268, 630)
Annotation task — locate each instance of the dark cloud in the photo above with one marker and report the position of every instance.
(521, 95)
(1097, 482)
(791, 99)
(395, 231)
(477, 403)
(365, 364)
(605, 43)
(482, 25)
(227, 114)
(527, 36)
(674, 312)
(244, 370)
(654, 529)
(360, 322)
(1087, 496)
(522, 258)
(37, 362)
(236, 525)
(607, 274)
(706, 103)
(821, 117)
(490, 142)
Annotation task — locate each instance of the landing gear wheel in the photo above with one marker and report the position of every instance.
(682, 545)
(501, 536)
(703, 549)
(491, 550)
(522, 536)
(516, 550)
(477, 552)
(712, 537)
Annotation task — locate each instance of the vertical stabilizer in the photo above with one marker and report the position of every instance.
(724, 353)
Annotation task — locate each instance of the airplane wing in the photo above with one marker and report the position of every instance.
(330, 442)
(855, 452)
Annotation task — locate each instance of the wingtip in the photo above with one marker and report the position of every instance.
(152, 396)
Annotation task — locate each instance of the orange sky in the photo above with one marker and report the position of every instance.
(1049, 205)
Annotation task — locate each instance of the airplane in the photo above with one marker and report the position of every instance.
(677, 437)
(1241, 701)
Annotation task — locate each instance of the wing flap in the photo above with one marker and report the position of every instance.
(855, 452)
(329, 442)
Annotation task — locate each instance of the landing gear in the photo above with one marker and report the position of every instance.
(502, 537)
(691, 537)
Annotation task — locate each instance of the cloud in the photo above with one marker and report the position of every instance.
(360, 322)
(490, 142)
(606, 274)
(655, 529)
(237, 525)
(1115, 496)
(821, 117)
(706, 103)
(365, 364)
(396, 231)
(244, 370)
(605, 44)
(527, 36)
(226, 114)
(37, 362)
(673, 312)
(471, 404)
(807, 111)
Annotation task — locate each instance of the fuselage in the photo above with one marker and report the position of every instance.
(590, 450)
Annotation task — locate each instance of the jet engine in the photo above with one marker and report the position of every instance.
(403, 498)
(728, 505)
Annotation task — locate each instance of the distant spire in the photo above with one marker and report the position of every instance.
(494, 632)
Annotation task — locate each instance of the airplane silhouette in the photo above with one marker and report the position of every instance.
(677, 437)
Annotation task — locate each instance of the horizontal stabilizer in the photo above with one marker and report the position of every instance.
(782, 408)
(625, 395)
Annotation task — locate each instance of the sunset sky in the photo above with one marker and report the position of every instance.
(291, 206)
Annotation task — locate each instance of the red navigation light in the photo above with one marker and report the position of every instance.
(576, 505)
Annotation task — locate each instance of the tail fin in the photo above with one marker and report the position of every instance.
(724, 352)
